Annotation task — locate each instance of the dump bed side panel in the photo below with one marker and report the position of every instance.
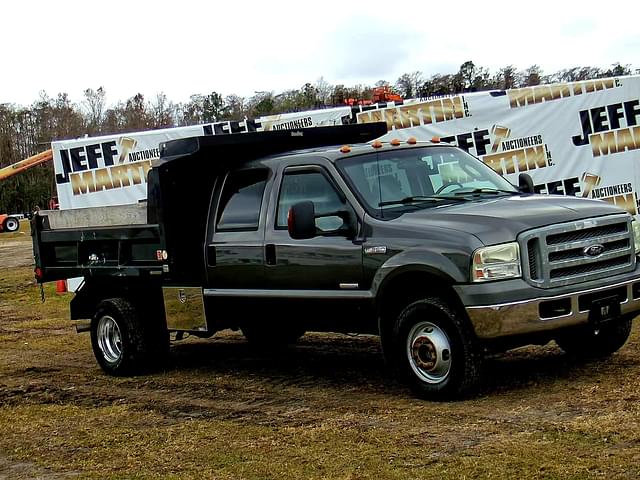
(78, 244)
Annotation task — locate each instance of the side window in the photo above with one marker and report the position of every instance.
(241, 199)
(301, 186)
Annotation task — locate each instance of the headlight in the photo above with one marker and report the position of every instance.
(635, 224)
(496, 262)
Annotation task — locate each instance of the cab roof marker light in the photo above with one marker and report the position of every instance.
(435, 139)
(395, 142)
(345, 149)
(376, 144)
(412, 140)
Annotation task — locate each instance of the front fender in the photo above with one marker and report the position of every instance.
(422, 261)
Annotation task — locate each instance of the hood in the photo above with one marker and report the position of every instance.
(499, 220)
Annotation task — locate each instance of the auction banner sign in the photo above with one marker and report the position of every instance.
(112, 169)
(578, 138)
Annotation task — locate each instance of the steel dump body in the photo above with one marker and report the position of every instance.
(101, 241)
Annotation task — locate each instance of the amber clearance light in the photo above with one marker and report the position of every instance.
(376, 144)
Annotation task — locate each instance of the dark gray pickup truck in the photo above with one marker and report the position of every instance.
(278, 234)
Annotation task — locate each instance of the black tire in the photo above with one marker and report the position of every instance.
(595, 342)
(11, 224)
(272, 335)
(123, 342)
(435, 350)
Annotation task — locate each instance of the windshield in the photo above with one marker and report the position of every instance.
(427, 176)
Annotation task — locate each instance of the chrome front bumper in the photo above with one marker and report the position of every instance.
(550, 313)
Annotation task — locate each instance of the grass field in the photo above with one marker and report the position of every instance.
(326, 408)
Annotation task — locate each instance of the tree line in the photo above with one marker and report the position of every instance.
(27, 130)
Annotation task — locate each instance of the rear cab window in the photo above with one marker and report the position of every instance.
(241, 200)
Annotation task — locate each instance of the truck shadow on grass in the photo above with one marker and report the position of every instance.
(339, 362)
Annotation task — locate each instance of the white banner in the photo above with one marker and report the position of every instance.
(580, 138)
(109, 170)
(312, 118)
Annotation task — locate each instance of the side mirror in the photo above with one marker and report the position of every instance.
(301, 221)
(525, 183)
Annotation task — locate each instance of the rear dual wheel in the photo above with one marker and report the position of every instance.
(125, 342)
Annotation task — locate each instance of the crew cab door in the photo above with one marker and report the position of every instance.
(235, 239)
(318, 280)
(331, 261)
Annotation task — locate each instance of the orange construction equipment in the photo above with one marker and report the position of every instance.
(354, 101)
(25, 164)
(385, 94)
(10, 223)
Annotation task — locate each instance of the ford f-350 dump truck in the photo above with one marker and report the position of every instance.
(279, 233)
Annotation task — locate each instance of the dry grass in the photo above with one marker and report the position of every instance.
(326, 408)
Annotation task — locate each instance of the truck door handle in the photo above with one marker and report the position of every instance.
(270, 254)
(211, 255)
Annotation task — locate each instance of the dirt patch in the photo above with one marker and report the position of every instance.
(12, 470)
(16, 253)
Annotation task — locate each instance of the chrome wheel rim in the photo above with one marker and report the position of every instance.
(109, 339)
(429, 352)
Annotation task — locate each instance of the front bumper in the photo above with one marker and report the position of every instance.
(544, 313)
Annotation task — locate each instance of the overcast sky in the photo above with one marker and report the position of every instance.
(182, 47)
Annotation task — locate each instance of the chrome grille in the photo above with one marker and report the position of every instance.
(603, 231)
(558, 255)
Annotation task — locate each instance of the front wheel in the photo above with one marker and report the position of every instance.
(123, 343)
(435, 350)
(595, 341)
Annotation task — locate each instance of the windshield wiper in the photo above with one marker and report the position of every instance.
(486, 190)
(418, 199)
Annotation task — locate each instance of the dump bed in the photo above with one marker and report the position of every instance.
(164, 236)
(101, 241)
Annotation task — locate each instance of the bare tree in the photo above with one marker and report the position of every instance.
(94, 105)
(323, 91)
(408, 84)
(162, 112)
(531, 76)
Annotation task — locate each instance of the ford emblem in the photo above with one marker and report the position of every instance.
(593, 250)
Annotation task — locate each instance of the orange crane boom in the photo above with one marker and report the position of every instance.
(9, 223)
(25, 164)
